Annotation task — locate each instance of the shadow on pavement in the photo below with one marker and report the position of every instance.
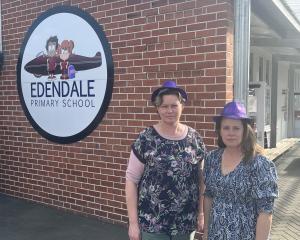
(23, 220)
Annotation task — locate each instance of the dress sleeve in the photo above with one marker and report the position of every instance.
(206, 173)
(201, 150)
(264, 184)
(138, 147)
(135, 169)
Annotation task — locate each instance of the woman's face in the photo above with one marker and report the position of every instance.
(170, 109)
(231, 132)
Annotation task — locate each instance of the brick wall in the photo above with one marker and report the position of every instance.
(189, 41)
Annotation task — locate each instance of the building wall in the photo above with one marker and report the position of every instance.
(151, 41)
(282, 92)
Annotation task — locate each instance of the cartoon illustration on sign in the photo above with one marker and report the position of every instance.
(65, 50)
(51, 47)
(59, 59)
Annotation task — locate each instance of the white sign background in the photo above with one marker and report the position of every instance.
(61, 120)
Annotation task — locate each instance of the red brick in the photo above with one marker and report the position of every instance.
(159, 3)
(150, 26)
(139, 21)
(167, 24)
(215, 56)
(168, 9)
(215, 72)
(186, 21)
(133, 2)
(167, 38)
(177, 29)
(185, 51)
(195, 58)
(151, 41)
(197, 26)
(186, 6)
(150, 12)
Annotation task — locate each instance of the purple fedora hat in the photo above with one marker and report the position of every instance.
(233, 110)
(168, 85)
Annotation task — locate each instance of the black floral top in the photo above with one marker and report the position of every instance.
(169, 188)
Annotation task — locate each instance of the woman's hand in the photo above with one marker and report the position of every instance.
(205, 234)
(134, 232)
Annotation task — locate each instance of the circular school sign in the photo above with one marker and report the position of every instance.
(65, 74)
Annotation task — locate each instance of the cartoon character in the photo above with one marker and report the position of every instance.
(65, 50)
(51, 47)
(38, 66)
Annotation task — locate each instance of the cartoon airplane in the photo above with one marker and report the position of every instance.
(38, 66)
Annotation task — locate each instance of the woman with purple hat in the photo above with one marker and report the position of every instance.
(241, 184)
(163, 174)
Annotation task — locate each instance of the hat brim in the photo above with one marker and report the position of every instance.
(218, 118)
(157, 91)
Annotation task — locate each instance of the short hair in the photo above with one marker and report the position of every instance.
(167, 91)
(52, 39)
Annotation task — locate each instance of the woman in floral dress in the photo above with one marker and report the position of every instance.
(241, 184)
(163, 174)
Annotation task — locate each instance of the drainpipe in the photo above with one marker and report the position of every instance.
(242, 11)
(1, 50)
(291, 99)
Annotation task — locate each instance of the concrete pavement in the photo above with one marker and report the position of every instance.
(286, 218)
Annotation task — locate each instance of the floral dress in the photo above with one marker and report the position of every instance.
(169, 187)
(239, 196)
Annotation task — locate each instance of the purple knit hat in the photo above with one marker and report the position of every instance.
(233, 110)
(168, 85)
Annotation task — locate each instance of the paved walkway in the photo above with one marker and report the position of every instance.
(286, 219)
(281, 148)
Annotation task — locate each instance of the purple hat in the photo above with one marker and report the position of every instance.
(168, 85)
(233, 110)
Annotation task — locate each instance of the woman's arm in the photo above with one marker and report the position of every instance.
(263, 226)
(131, 201)
(134, 172)
(207, 208)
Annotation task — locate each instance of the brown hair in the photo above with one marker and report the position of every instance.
(250, 148)
(167, 91)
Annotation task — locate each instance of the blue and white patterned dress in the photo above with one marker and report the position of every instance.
(239, 196)
(169, 188)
